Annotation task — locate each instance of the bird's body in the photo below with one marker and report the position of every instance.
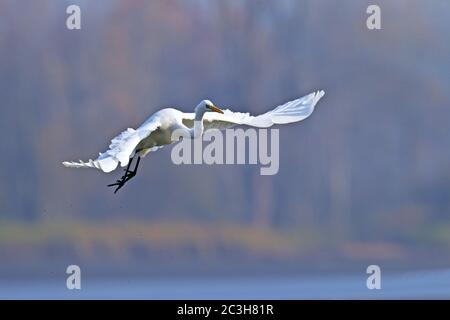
(162, 127)
(169, 120)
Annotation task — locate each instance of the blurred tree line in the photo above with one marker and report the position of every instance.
(371, 164)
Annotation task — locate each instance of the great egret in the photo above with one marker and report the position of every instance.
(158, 130)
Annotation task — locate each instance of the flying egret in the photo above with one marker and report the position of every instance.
(157, 131)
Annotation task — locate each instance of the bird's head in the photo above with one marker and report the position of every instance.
(207, 106)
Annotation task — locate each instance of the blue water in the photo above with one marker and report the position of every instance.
(413, 285)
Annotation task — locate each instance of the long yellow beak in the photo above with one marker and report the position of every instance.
(215, 109)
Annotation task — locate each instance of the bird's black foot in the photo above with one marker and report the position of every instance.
(126, 177)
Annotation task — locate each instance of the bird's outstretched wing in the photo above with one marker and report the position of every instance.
(291, 111)
(120, 150)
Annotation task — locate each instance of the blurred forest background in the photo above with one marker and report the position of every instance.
(365, 179)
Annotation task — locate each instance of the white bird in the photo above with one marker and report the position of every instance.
(157, 131)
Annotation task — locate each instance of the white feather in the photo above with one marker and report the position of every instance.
(120, 150)
(292, 111)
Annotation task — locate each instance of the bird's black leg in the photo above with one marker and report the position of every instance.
(128, 175)
(128, 166)
(133, 173)
(121, 182)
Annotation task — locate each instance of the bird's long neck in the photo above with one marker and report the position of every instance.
(197, 130)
